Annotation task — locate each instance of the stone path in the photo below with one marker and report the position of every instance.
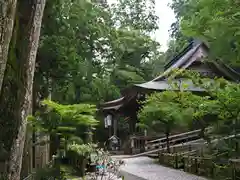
(144, 168)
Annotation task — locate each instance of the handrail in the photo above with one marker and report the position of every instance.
(172, 140)
(162, 140)
(176, 135)
(163, 149)
(140, 143)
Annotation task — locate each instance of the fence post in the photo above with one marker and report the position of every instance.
(196, 165)
(233, 170)
(189, 147)
(132, 145)
(176, 161)
(185, 163)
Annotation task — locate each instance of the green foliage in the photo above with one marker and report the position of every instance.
(70, 50)
(87, 53)
(69, 123)
(131, 51)
(178, 41)
(223, 101)
(175, 46)
(49, 173)
(64, 118)
(83, 150)
(104, 90)
(226, 103)
(202, 19)
(135, 14)
(83, 51)
(86, 56)
(79, 113)
(166, 109)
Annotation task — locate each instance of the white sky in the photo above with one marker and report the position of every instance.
(166, 18)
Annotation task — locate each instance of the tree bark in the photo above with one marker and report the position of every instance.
(27, 155)
(7, 16)
(27, 58)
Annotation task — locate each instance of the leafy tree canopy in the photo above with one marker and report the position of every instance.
(202, 18)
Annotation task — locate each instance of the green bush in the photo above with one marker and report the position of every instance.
(49, 173)
(222, 172)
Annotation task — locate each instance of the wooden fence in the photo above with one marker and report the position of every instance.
(203, 166)
(174, 139)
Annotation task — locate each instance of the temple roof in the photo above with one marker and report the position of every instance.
(196, 51)
(114, 101)
(190, 54)
(115, 104)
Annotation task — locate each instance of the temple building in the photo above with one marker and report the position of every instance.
(193, 57)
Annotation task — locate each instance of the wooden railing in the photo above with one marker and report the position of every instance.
(174, 139)
(141, 143)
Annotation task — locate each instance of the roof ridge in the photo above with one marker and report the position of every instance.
(178, 56)
(190, 45)
(188, 53)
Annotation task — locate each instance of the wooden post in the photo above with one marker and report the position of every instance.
(145, 139)
(132, 144)
(189, 147)
(234, 165)
(196, 165)
(110, 131)
(176, 160)
(110, 124)
(115, 125)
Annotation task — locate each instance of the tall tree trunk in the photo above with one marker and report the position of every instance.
(27, 155)
(27, 57)
(7, 15)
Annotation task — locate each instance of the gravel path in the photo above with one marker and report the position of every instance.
(144, 168)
